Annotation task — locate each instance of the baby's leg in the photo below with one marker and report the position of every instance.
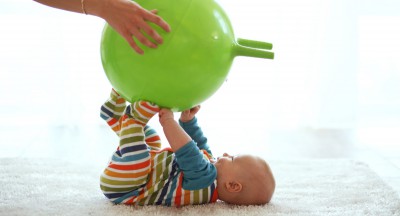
(152, 138)
(130, 164)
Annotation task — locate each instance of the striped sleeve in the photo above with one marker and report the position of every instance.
(112, 110)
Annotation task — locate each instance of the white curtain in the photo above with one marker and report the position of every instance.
(336, 66)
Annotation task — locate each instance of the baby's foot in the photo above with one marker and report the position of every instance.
(143, 111)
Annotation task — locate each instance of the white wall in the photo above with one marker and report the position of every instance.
(336, 66)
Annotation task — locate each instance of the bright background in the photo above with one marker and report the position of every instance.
(336, 69)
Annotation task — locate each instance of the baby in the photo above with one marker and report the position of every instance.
(141, 173)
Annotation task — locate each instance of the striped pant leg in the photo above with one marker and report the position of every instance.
(130, 164)
(152, 138)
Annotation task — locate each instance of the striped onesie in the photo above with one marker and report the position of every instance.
(141, 173)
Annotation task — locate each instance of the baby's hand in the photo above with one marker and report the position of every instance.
(165, 115)
(189, 114)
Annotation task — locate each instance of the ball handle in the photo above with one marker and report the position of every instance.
(252, 48)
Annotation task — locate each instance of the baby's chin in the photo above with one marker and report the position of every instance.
(216, 164)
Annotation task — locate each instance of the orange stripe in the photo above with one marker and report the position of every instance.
(130, 167)
(116, 128)
(120, 100)
(144, 112)
(187, 197)
(179, 192)
(142, 194)
(153, 139)
(126, 175)
(130, 122)
(154, 109)
(207, 154)
(149, 182)
(162, 150)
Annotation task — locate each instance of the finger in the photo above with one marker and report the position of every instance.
(133, 44)
(154, 11)
(152, 33)
(158, 21)
(161, 113)
(195, 109)
(142, 39)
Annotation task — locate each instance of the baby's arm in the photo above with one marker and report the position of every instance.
(198, 172)
(174, 133)
(112, 110)
(188, 122)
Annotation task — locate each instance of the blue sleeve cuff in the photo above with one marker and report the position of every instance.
(188, 124)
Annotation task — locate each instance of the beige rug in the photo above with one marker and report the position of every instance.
(304, 187)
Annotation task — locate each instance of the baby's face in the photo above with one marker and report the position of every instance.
(224, 163)
(228, 165)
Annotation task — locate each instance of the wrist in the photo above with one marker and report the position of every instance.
(189, 122)
(184, 120)
(167, 121)
(95, 7)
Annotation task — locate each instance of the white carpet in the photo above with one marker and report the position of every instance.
(305, 187)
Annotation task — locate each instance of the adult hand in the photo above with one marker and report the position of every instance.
(130, 20)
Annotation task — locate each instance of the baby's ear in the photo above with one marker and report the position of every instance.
(233, 186)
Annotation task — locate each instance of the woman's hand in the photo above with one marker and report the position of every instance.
(130, 20)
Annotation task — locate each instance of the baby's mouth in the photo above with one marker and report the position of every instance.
(213, 161)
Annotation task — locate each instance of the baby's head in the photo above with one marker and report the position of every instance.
(244, 180)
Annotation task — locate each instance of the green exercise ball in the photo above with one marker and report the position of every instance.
(190, 65)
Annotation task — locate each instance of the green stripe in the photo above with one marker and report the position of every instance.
(158, 168)
(142, 201)
(113, 109)
(169, 158)
(114, 97)
(196, 197)
(205, 195)
(120, 183)
(136, 114)
(131, 140)
(153, 197)
(109, 189)
(164, 174)
(136, 129)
